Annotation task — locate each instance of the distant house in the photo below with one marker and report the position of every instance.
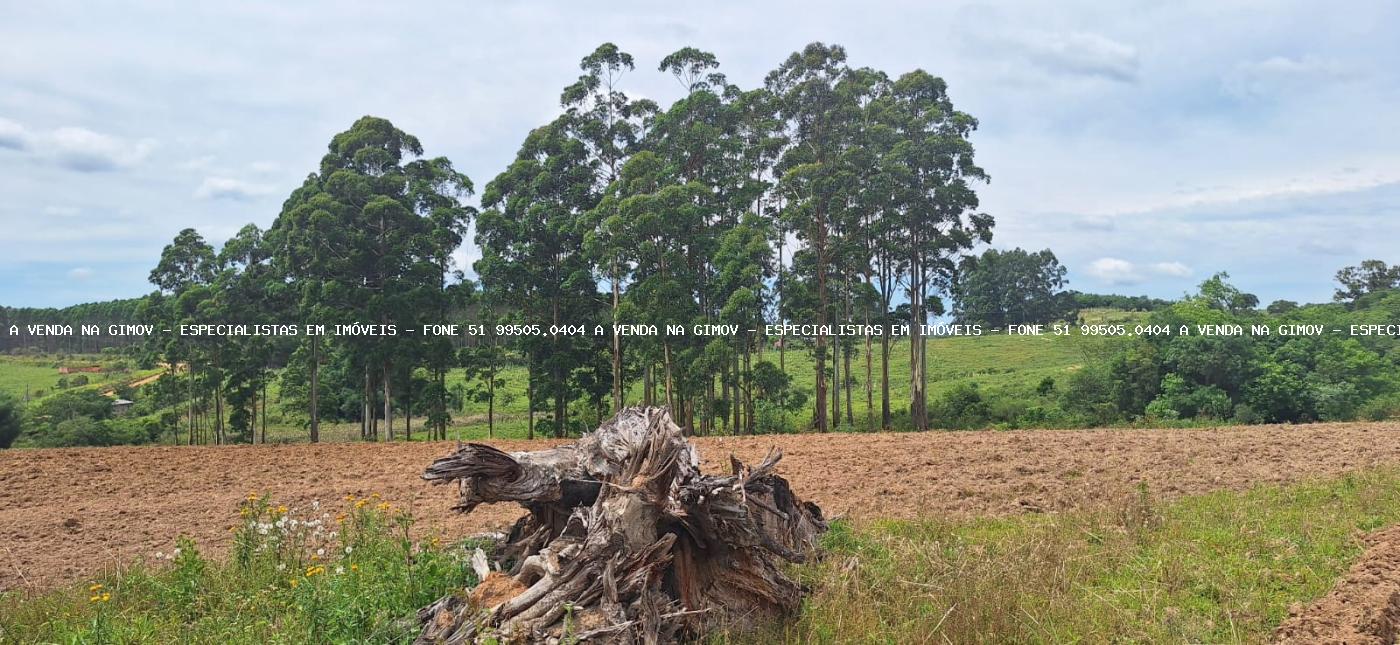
(90, 369)
(120, 407)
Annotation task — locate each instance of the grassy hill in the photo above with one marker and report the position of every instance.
(35, 377)
(1002, 368)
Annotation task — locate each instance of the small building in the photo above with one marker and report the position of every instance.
(120, 407)
(89, 369)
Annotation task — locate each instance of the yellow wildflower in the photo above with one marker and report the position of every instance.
(361, 503)
(354, 567)
(95, 586)
(294, 582)
(281, 510)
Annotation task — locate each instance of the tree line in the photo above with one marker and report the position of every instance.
(828, 194)
(824, 195)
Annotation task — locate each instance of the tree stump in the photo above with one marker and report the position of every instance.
(625, 540)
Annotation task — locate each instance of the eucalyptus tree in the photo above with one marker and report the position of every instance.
(530, 233)
(817, 112)
(247, 290)
(182, 276)
(363, 240)
(667, 213)
(744, 265)
(610, 125)
(931, 175)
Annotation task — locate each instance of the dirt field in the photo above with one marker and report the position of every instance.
(65, 514)
(1362, 609)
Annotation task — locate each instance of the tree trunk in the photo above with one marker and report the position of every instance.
(625, 541)
(388, 402)
(918, 402)
(616, 343)
(315, 390)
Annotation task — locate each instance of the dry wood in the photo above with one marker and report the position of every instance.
(625, 540)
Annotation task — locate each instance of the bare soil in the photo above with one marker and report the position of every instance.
(65, 514)
(1362, 609)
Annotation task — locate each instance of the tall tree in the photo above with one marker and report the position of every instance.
(931, 173)
(610, 125)
(1368, 277)
(1013, 287)
(364, 240)
(186, 268)
(530, 235)
(817, 116)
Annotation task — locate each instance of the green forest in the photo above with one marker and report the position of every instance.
(829, 195)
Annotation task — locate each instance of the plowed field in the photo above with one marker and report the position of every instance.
(67, 513)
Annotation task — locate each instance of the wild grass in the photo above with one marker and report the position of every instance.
(1216, 568)
(348, 574)
(1001, 366)
(1220, 568)
(34, 377)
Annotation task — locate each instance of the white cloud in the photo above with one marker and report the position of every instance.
(1323, 247)
(1081, 54)
(1171, 269)
(1114, 271)
(1281, 74)
(264, 167)
(13, 135)
(1066, 53)
(76, 148)
(83, 150)
(61, 211)
(80, 273)
(230, 188)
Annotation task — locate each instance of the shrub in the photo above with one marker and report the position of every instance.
(1088, 397)
(1180, 400)
(1381, 409)
(961, 407)
(351, 574)
(78, 431)
(9, 420)
(770, 418)
(1246, 415)
(1336, 401)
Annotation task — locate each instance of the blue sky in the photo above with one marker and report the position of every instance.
(1148, 144)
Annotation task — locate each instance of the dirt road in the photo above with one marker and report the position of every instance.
(64, 514)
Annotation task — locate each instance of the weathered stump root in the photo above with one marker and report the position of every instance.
(625, 540)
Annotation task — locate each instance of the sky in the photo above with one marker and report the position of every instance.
(1148, 144)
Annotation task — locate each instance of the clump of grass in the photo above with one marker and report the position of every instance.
(1222, 567)
(309, 575)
